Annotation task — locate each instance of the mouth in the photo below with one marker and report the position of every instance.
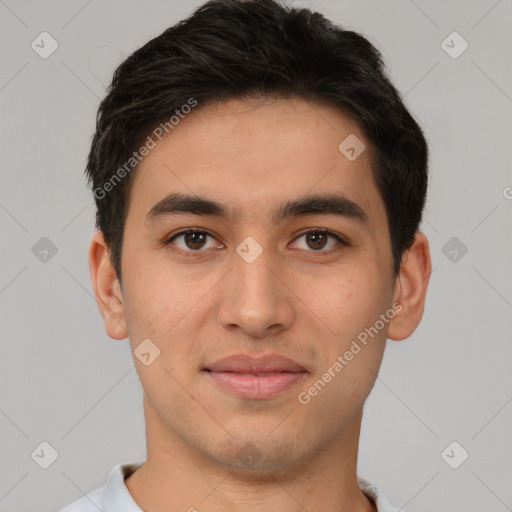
(255, 378)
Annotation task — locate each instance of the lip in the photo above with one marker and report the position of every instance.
(255, 377)
(242, 363)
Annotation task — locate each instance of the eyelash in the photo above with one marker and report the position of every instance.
(190, 253)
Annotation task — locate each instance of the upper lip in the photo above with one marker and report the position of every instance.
(242, 363)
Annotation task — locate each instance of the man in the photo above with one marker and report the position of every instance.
(259, 188)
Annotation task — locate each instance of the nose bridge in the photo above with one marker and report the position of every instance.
(252, 263)
(255, 280)
(256, 300)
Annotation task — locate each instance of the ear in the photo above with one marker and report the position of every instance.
(107, 290)
(411, 288)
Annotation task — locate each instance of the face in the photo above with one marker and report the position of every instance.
(257, 279)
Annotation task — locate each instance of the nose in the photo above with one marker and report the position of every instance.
(256, 300)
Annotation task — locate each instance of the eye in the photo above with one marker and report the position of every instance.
(192, 240)
(317, 239)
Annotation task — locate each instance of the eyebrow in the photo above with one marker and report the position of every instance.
(319, 204)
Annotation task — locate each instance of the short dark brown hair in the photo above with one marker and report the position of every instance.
(230, 49)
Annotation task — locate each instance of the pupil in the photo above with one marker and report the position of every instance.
(315, 240)
(194, 240)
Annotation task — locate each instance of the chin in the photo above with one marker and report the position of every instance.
(255, 454)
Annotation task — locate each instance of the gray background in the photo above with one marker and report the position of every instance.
(64, 381)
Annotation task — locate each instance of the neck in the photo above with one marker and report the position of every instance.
(177, 477)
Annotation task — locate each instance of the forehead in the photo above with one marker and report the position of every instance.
(249, 153)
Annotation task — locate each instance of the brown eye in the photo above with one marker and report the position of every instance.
(318, 239)
(192, 241)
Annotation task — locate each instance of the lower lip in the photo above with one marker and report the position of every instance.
(253, 386)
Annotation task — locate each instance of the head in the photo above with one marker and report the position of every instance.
(235, 122)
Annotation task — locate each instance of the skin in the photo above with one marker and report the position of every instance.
(306, 304)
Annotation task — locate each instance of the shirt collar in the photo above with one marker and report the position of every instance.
(376, 495)
(116, 497)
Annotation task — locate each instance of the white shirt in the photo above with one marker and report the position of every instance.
(115, 497)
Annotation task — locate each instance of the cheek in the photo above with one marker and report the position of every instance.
(153, 291)
(349, 301)
(163, 306)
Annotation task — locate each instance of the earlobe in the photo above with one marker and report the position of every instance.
(107, 290)
(411, 288)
